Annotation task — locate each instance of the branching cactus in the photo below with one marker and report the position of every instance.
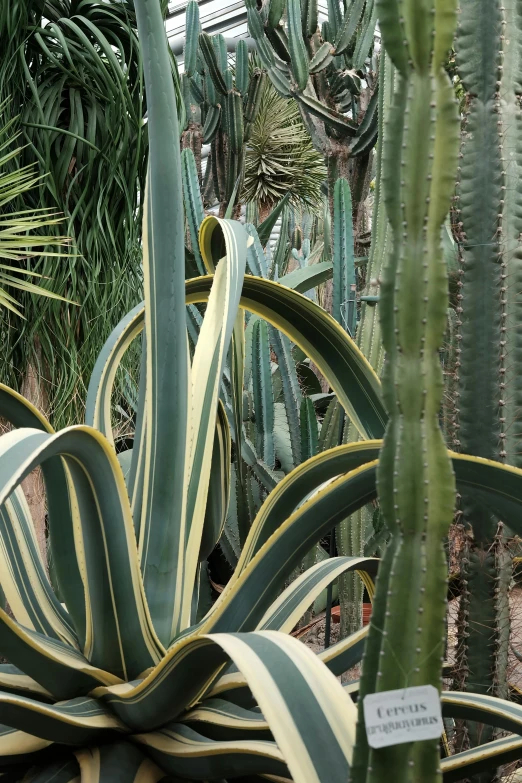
(487, 417)
(326, 71)
(224, 103)
(415, 481)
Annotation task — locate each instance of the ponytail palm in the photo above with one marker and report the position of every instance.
(74, 70)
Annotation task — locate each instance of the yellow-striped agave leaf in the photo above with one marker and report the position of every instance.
(317, 334)
(484, 709)
(13, 680)
(115, 761)
(224, 720)
(118, 635)
(179, 749)
(24, 579)
(485, 757)
(207, 368)
(18, 412)
(243, 606)
(293, 602)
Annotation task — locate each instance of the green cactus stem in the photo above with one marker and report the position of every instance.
(486, 420)
(415, 480)
(352, 533)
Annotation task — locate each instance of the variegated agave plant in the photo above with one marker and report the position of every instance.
(112, 680)
(108, 675)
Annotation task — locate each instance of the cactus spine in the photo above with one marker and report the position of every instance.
(488, 303)
(415, 480)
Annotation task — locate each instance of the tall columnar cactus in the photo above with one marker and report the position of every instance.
(415, 481)
(225, 103)
(487, 416)
(352, 533)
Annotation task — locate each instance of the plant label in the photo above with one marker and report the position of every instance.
(407, 715)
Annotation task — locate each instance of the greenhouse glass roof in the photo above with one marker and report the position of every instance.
(227, 17)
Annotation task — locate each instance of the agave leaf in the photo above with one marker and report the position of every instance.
(20, 413)
(482, 758)
(219, 487)
(75, 722)
(181, 749)
(13, 680)
(120, 761)
(57, 667)
(295, 600)
(224, 720)
(274, 667)
(102, 524)
(24, 581)
(19, 743)
(327, 345)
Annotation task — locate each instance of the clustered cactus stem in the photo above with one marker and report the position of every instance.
(415, 480)
(487, 408)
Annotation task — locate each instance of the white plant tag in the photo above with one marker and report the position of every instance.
(395, 717)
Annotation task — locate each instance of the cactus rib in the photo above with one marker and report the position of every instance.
(415, 479)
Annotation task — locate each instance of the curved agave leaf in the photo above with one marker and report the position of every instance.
(13, 680)
(484, 709)
(219, 486)
(287, 680)
(482, 758)
(56, 667)
(24, 580)
(242, 605)
(321, 338)
(98, 404)
(180, 749)
(119, 637)
(20, 413)
(298, 596)
(298, 485)
(116, 762)
(207, 370)
(304, 322)
(18, 743)
(224, 720)
(338, 659)
(63, 771)
(346, 653)
(74, 722)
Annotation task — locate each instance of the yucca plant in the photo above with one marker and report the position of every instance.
(280, 157)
